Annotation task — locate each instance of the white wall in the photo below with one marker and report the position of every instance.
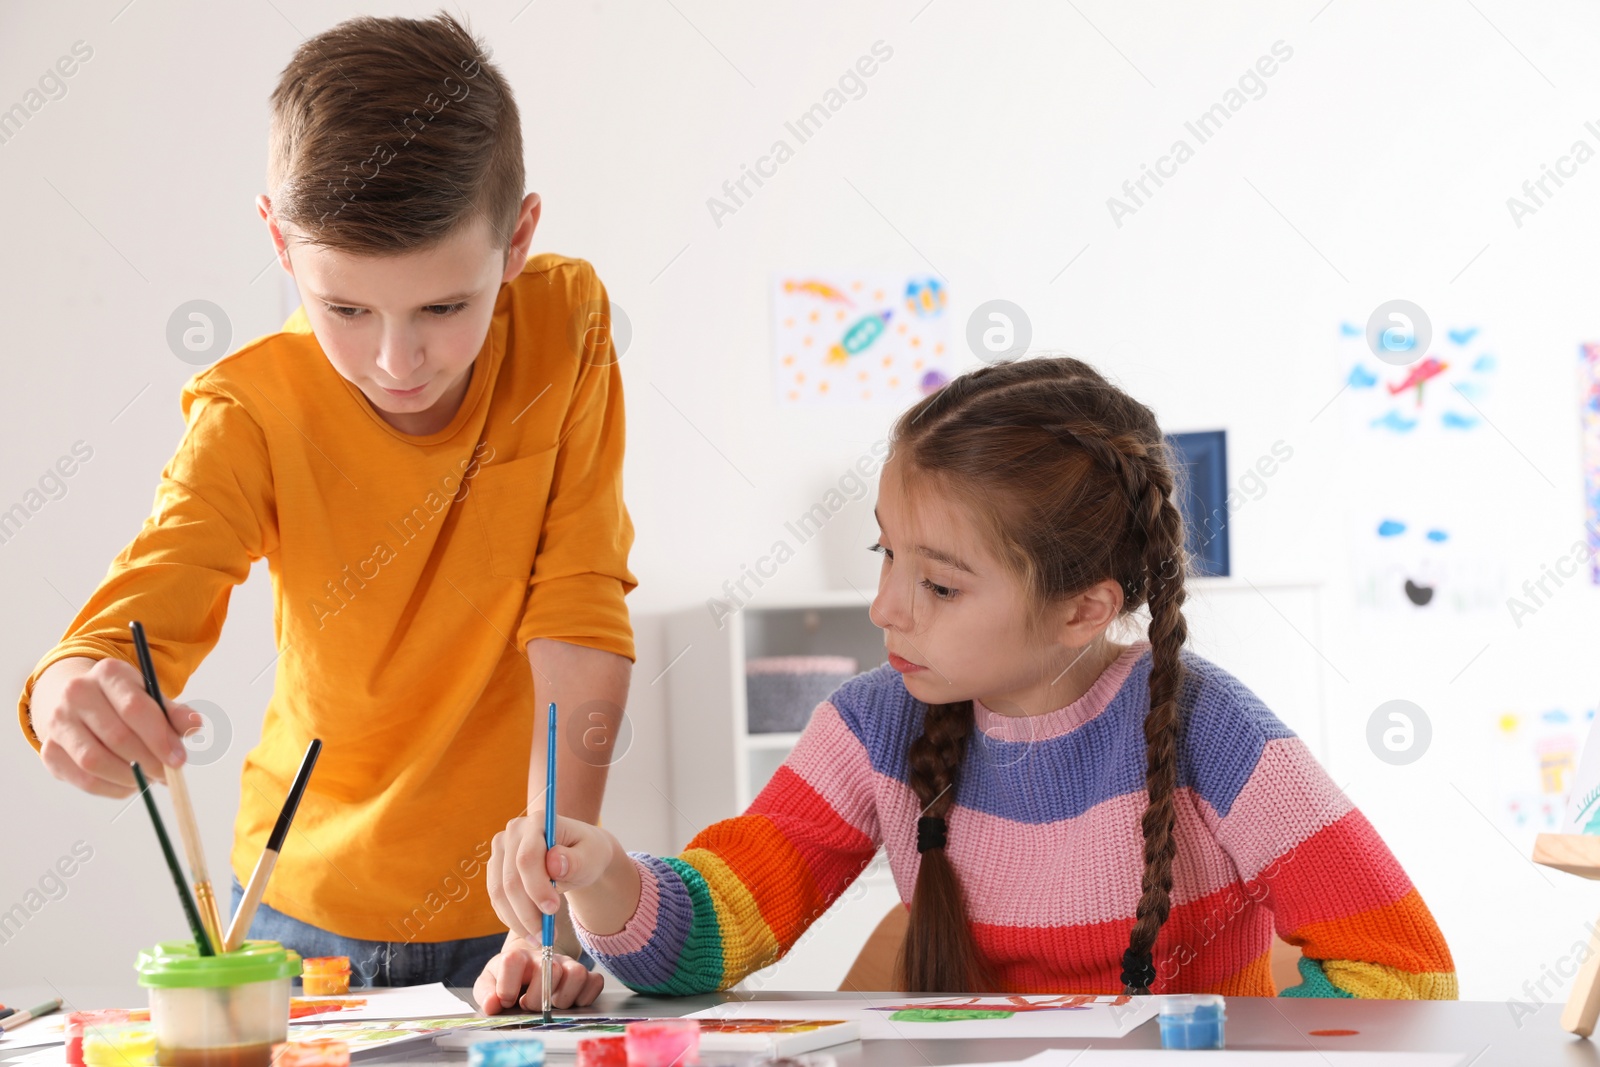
(1377, 165)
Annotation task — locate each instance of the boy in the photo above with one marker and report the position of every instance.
(429, 456)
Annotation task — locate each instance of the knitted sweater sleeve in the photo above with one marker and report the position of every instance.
(1307, 853)
(746, 888)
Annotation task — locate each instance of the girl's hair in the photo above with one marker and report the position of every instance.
(1072, 481)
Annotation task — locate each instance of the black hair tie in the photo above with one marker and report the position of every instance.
(930, 832)
(1138, 972)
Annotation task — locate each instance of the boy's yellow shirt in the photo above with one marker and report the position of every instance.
(408, 574)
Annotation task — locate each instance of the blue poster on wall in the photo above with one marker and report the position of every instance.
(1203, 497)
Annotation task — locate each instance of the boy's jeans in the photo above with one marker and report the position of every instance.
(379, 963)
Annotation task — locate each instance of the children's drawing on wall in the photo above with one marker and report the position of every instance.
(1415, 561)
(1583, 798)
(1589, 420)
(1440, 392)
(859, 336)
(1534, 763)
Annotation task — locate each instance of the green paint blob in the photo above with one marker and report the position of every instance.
(947, 1015)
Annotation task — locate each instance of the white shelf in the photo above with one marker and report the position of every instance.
(764, 742)
(826, 598)
(717, 764)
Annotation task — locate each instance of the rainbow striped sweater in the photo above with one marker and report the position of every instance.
(1045, 837)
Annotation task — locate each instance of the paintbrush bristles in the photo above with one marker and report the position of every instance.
(548, 965)
(206, 901)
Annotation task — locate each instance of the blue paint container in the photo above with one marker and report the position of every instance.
(506, 1052)
(1196, 1020)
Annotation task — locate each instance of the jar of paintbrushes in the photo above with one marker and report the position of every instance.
(218, 1011)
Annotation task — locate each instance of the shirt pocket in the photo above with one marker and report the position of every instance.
(509, 499)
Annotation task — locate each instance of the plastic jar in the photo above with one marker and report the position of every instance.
(321, 1052)
(80, 1023)
(119, 1044)
(218, 1011)
(1193, 1020)
(506, 1052)
(325, 976)
(603, 1052)
(662, 1042)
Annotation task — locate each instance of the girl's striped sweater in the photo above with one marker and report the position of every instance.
(1045, 837)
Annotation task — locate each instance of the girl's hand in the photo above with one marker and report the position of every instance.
(512, 978)
(93, 718)
(520, 870)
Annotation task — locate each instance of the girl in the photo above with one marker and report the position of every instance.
(1062, 813)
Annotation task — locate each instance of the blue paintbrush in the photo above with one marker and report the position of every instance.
(548, 927)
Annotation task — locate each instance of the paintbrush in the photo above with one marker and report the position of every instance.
(548, 923)
(202, 942)
(182, 806)
(14, 1018)
(269, 855)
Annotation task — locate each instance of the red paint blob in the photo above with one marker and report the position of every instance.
(1332, 1033)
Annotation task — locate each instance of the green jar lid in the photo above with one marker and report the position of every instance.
(179, 965)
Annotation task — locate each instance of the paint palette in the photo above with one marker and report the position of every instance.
(775, 1037)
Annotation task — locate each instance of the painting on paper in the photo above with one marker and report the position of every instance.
(854, 337)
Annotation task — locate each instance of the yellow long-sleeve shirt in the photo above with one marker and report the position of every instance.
(408, 574)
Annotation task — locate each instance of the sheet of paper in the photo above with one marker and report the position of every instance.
(398, 1002)
(359, 1005)
(923, 1018)
(1583, 804)
(368, 1036)
(45, 1030)
(774, 1037)
(1227, 1058)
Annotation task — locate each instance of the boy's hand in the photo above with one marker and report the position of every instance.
(93, 721)
(502, 984)
(519, 870)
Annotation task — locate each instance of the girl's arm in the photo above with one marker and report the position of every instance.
(1335, 889)
(589, 864)
(738, 897)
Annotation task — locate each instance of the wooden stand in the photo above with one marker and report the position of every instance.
(1577, 854)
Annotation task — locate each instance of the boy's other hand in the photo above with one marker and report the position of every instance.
(92, 721)
(512, 980)
(520, 870)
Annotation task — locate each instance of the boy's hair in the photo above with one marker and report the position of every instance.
(389, 133)
(1072, 483)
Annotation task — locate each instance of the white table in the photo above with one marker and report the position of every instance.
(1482, 1029)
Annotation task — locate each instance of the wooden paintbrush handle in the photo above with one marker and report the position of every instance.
(188, 826)
(251, 900)
(189, 831)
